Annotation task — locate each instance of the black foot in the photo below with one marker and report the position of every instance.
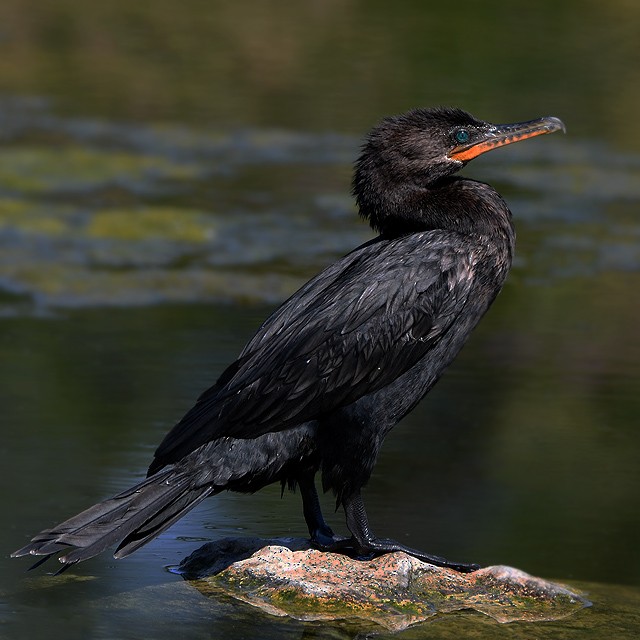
(380, 546)
(322, 537)
(339, 544)
(366, 543)
(325, 540)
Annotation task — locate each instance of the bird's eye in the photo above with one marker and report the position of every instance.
(461, 136)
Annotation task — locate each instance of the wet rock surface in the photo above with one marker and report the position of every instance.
(286, 577)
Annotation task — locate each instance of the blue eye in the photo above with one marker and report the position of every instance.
(462, 136)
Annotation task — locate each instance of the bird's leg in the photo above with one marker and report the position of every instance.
(321, 534)
(366, 543)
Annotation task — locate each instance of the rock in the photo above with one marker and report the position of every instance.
(287, 577)
(214, 557)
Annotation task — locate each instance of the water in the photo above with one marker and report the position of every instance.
(169, 174)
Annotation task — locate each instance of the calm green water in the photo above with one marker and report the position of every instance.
(169, 172)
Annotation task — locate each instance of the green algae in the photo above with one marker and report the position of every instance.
(41, 169)
(171, 224)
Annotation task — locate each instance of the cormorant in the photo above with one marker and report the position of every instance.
(346, 357)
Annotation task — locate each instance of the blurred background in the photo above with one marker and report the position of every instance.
(171, 171)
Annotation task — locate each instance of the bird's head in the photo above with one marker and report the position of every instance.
(415, 150)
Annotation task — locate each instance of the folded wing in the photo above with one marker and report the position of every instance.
(348, 332)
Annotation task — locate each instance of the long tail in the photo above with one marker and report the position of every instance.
(132, 518)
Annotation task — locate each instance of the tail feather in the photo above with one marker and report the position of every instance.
(160, 522)
(131, 518)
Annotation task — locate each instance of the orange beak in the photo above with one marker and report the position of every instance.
(499, 135)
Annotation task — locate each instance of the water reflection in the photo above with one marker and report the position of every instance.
(175, 215)
(304, 65)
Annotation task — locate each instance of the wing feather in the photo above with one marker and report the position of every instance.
(348, 332)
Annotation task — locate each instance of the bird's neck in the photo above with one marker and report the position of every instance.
(454, 204)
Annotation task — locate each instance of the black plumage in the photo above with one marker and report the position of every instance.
(346, 357)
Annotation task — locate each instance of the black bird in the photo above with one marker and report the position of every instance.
(346, 357)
